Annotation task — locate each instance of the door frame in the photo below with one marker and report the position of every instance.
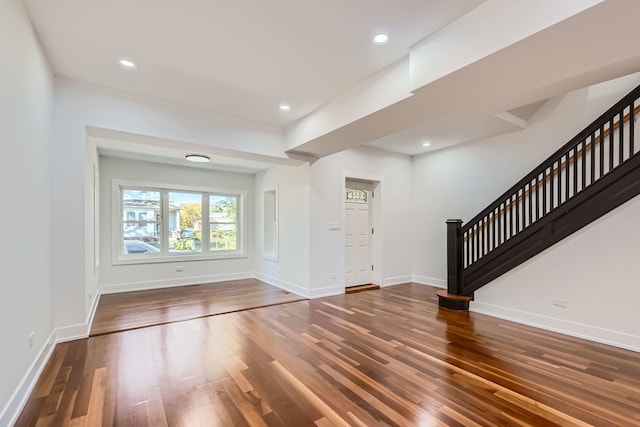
(376, 215)
(361, 268)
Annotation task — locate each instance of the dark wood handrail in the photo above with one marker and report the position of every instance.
(561, 152)
(556, 170)
(558, 197)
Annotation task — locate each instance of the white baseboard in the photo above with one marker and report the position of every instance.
(431, 281)
(168, 283)
(72, 332)
(282, 284)
(68, 333)
(398, 280)
(12, 409)
(94, 307)
(327, 291)
(80, 330)
(574, 329)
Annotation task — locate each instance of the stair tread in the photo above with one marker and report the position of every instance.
(444, 294)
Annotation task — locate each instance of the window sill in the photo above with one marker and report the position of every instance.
(157, 258)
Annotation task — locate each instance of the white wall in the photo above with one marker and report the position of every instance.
(393, 234)
(107, 108)
(291, 269)
(594, 270)
(91, 228)
(460, 181)
(147, 276)
(25, 112)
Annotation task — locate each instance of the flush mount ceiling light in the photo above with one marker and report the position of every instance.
(284, 107)
(380, 39)
(426, 144)
(198, 158)
(127, 63)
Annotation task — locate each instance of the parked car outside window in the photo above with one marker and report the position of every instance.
(138, 247)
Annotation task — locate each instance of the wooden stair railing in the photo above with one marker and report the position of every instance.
(595, 172)
(559, 169)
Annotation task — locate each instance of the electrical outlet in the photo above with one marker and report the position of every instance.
(560, 302)
(334, 276)
(32, 339)
(179, 269)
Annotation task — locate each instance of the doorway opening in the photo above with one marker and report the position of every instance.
(359, 235)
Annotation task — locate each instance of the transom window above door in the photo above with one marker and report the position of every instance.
(354, 195)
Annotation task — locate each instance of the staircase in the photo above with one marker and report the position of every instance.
(595, 172)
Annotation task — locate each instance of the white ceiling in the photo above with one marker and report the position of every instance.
(438, 133)
(237, 57)
(457, 129)
(242, 58)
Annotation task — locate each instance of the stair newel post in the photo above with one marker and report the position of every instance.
(454, 256)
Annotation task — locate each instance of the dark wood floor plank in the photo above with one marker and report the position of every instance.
(376, 358)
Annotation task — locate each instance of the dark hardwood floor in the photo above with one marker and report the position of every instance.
(381, 357)
(132, 310)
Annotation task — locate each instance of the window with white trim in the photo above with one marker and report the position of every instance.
(168, 224)
(270, 229)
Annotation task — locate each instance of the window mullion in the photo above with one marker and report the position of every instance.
(122, 222)
(239, 232)
(206, 225)
(164, 222)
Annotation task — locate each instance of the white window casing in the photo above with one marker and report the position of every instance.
(164, 227)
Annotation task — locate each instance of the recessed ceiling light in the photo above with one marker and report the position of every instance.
(197, 158)
(380, 39)
(285, 107)
(128, 63)
(426, 144)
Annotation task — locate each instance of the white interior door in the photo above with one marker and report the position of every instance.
(358, 268)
